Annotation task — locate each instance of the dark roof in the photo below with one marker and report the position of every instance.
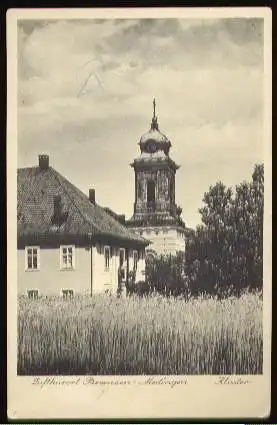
(118, 217)
(36, 189)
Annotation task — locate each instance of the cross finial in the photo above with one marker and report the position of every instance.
(154, 106)
(154, 124)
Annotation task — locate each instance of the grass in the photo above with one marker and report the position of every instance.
(139, 336)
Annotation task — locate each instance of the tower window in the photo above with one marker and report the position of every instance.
(171, 191)
(139, 190)
(150, 191)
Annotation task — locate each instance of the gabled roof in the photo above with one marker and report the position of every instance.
(36, 189)
(118, 217)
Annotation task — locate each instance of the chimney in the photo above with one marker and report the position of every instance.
(43, 162)
(91, 196)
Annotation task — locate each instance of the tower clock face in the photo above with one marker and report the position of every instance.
(151, 147)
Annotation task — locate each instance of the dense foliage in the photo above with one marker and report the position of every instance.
(224, 255)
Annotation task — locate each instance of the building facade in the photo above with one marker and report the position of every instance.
(156, 215)
(67, 243)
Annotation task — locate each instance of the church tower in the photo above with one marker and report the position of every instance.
(156, 215)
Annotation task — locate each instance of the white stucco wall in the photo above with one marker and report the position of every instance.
(165, 240)
(50, 279)
(107, 279)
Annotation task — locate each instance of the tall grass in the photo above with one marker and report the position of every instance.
(109, 336)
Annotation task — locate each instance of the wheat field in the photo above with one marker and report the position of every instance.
(105, 335)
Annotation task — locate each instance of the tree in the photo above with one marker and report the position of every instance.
(224, 254)
(248, 230)
(207, 252)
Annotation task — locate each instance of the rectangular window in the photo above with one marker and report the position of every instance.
(135, 258)
(67, 257)
(33, 294)
(142, 254)
(67, 293)
(121, 257)
(32, 257)
(107, 255)
(122, 263)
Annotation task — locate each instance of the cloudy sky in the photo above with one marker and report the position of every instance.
(85, 98)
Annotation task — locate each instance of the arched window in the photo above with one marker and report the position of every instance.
(150, 191)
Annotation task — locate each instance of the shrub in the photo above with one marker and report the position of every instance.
(139, 288)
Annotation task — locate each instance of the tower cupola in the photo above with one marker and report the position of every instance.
(154, 141)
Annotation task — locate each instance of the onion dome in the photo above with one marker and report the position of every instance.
(154, 140)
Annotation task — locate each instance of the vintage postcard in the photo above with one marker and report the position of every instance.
(139, 213)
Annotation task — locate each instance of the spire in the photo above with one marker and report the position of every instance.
(154, 124)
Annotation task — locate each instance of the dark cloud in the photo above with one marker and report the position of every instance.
(110, 65)
(202, 44)
(28, 26)
(141, 27)
(243, 31)
(133, 64)
(225, 42)
(239, 30)
(24, 68)
(155, 27)
(167, 27)
(213, 43)
(121, 21)
(127, 37)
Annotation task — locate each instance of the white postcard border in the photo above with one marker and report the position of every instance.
(201, 397)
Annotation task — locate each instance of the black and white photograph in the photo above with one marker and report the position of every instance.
(140, 151)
